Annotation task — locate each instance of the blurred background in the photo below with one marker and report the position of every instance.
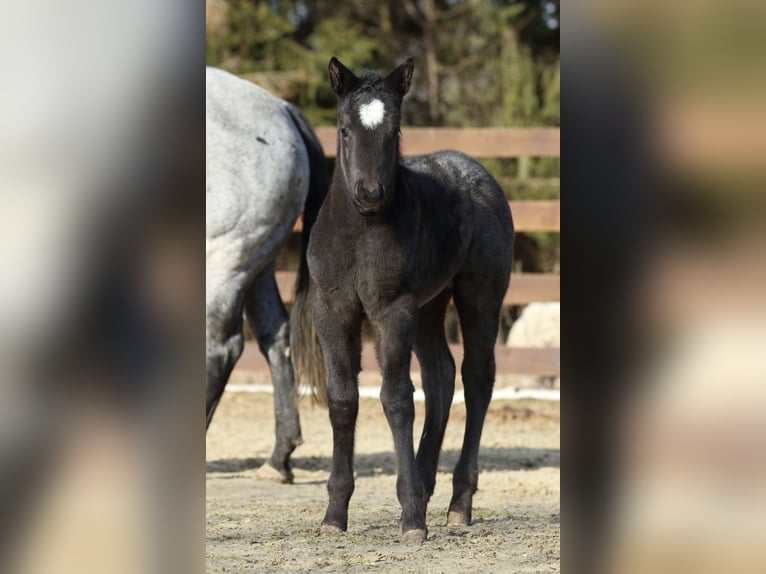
(664, 458)
(478, 63)
(102, 147)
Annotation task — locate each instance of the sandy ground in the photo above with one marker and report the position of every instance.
(259, 526)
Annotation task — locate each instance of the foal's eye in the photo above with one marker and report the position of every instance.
(343, 132)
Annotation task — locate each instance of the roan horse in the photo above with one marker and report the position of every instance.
(264, 165)
(395, 240)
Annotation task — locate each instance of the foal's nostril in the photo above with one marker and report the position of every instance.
(373, 193)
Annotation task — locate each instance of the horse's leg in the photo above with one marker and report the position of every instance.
(396, 333)
(270, 324)
(478, 300)
(339, 330)
(223, 340)
(438, 372)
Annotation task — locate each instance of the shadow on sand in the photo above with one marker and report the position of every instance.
(384, 463)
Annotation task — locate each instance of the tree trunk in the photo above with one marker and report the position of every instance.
(432, 63)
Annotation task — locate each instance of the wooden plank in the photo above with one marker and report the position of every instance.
(536, 215)
(528, 215)
(533, 287)
(478, 142)
(516, 360)
(525, 287)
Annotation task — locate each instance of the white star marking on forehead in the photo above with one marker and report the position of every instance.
(371, 113)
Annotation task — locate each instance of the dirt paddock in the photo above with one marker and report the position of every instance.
(260, 526)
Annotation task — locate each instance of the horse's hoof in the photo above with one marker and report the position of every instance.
(416, 535)
(457, 518)
(330, 529)
(268, 472)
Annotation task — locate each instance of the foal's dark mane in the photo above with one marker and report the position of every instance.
(370, 78)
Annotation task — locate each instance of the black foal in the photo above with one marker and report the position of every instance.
(395, 240)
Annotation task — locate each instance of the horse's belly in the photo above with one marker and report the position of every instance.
(431, 291)
(440, 263)
(434, 285)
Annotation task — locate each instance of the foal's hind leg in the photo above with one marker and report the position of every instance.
(478, 303)
(223, 340)
(438, 371)
(270, 324)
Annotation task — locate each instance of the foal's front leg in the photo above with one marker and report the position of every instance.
(339, 331)
(396, 333)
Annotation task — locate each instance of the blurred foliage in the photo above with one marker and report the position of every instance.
(477, 63)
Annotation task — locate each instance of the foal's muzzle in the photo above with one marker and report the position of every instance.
(369, 199)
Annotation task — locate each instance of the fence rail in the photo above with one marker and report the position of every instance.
(525, 287)
(529, 361)
(534, 215)
(478, 142)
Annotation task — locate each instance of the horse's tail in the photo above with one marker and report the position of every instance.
(306, 353)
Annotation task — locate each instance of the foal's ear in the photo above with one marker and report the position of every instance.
(341, 78)
(399, 79)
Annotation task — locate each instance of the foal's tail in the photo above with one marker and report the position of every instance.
(306, 353)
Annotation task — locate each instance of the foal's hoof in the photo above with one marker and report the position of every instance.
(330, 529)
(457, 518)
(416, 535)
(268, 472)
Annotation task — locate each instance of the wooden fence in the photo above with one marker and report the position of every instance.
(527, 215)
